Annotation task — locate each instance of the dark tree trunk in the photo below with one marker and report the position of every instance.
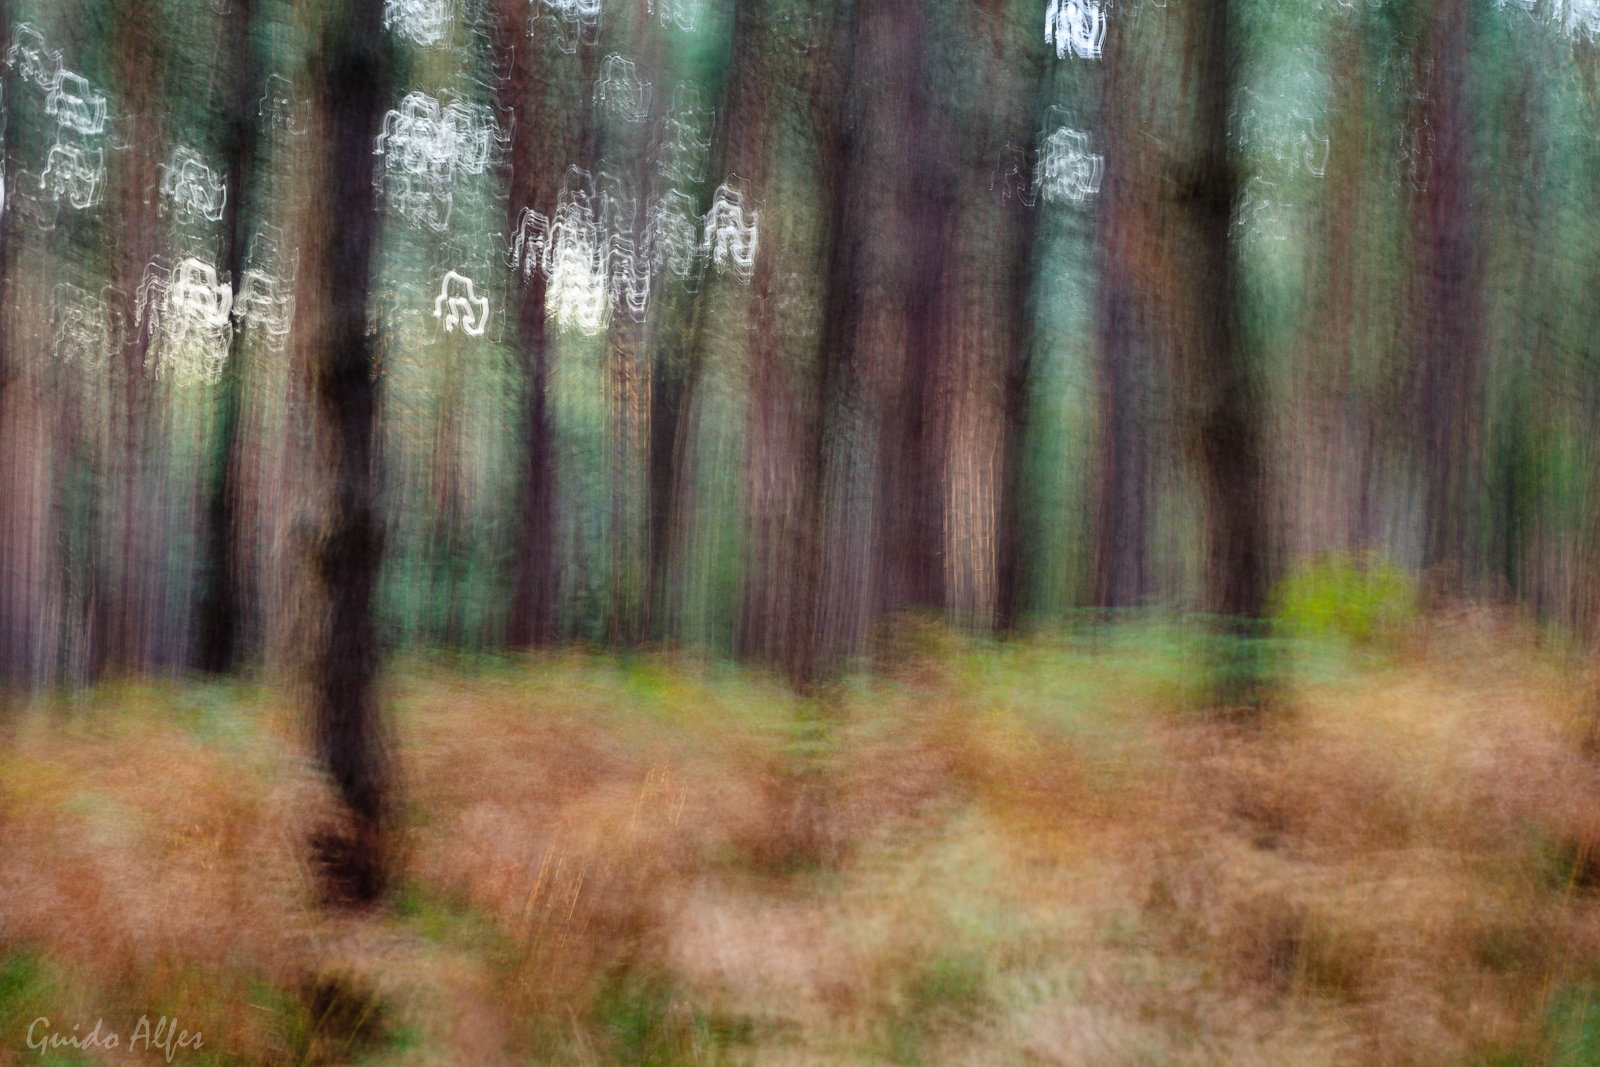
(352, 73)
(1021, 228)
(1448, 379)
(216, 646)
(533, 590)
(678, 366)
(543, 143)
(807, 656)
(533, 545)
(669, 390)
(1228, 419)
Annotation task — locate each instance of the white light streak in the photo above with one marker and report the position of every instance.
(1078, 26)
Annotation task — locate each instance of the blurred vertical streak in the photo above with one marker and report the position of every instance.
(770, 434)
(629, 378)
(916, 290)
(14, 614)
(216, 645)
(683, 390)
(792, 398)
(448, 508)
(352, 72)
(533, 565)
(672, 371)
(1518, 527)
(134, 616)
(805, 658)
(1333, 429)
(1019, 225)
(770, 620)
(891, 196)
(1447, 374)
(1125, 244)
(1227, 403)
(543, 142)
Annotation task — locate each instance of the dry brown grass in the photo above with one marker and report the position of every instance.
(1029, 856)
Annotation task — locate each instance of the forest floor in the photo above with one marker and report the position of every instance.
(1029, 853)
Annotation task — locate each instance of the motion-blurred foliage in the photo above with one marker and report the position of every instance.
(1362, 599)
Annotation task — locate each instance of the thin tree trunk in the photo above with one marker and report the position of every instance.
(217, 644)
(1022, 228)
(810, 656)
(1228, 422)
(1333, 406)
(134, 614)
(1019, 225)
(14, 626)
(1448, 380)
(772, 436)
(542, 145)
(1120, 576)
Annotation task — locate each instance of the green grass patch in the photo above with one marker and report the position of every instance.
(646, 1021)
(32, 989)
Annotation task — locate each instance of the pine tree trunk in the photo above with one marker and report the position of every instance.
(216, 646)
(1228, 419)
(337, 247)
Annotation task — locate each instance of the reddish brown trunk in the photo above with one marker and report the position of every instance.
(15, 626)
(893, 196)
(135, 612)
(1448, 353)
(1124, 248)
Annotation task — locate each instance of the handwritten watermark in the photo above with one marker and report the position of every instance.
(166, 1037)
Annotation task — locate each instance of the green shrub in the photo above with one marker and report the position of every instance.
(1357, 598)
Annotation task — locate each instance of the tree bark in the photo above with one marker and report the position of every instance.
(352, 73)
(14, 614)
(1228, 419)
(1129, 260)
(1448, 353)
(542, 145)
(132, 611)
(216, 646)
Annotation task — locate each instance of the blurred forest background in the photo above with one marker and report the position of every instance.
(745, 327)
(747, 495)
